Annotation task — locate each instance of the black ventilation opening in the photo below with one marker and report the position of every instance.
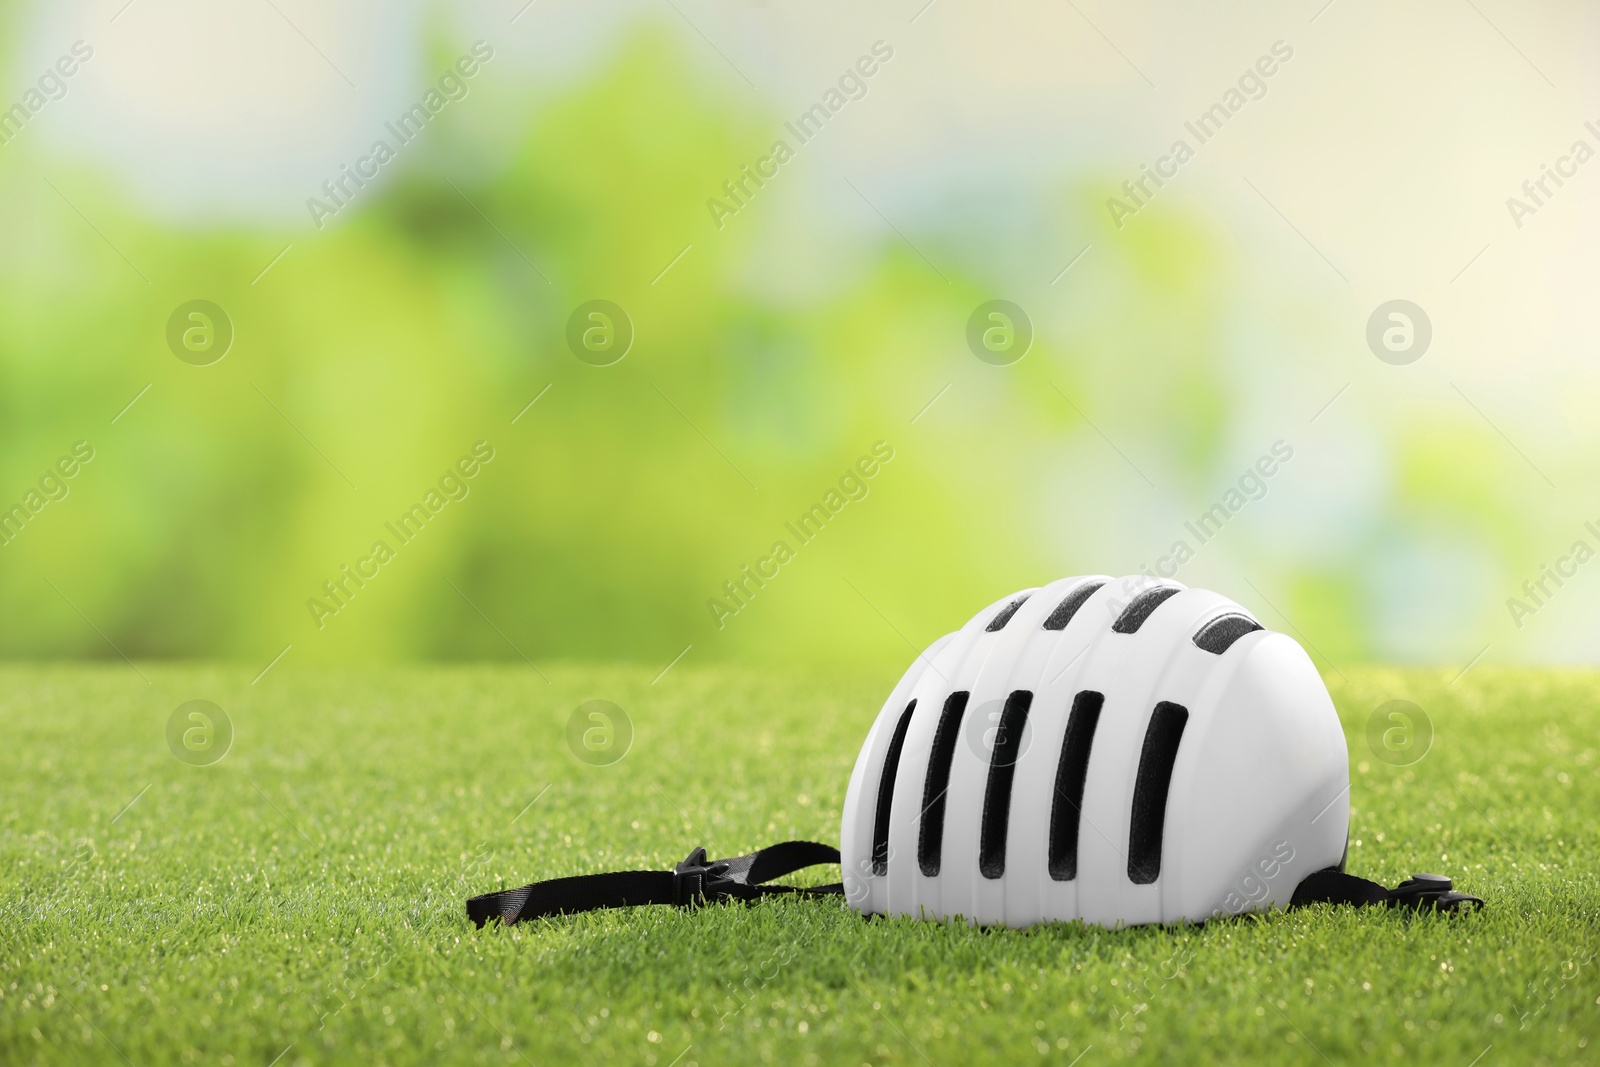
(1071, 773)
(997, 797)
(891, 765)
(1005, 613)
(1218, 635)
(1150, 791)
(930, 836)
(1069, 606)
(1140, 607)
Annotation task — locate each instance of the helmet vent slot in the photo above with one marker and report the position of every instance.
(1218, 635)
(1069, 606)
(1140, 607)
(930, 837)
(997, 797)
(1005, 613)
(1150, 791)
(891, 765)
(1071, 774)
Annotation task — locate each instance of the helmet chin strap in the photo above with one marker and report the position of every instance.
(698, 880)
(1424, 892)
(694, 881)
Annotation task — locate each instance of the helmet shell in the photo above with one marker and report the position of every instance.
(1169, 679)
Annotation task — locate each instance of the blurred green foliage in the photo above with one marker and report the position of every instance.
(425, 319)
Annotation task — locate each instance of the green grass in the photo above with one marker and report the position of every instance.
(307, 891)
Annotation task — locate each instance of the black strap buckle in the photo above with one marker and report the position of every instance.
(694, 881)
(1429, 891)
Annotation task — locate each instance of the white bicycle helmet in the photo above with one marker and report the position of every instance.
(1116, 751)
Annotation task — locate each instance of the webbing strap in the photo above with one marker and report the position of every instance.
(694, 881)
(700, 881)
(1420, 891)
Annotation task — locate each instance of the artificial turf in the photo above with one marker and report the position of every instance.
(301, 901)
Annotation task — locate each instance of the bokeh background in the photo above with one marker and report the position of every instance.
(775, 346)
